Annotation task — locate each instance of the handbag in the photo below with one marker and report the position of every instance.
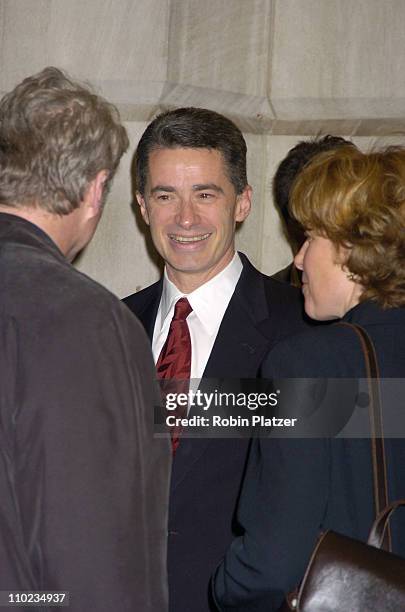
(344, 574)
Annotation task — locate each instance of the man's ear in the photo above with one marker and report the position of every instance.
(243, 204)
(94, 193)
(142, 205)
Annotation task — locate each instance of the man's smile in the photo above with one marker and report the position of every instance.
(185, 239)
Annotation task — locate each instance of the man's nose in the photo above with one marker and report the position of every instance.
(187, 215)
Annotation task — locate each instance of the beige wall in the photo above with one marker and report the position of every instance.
(282, 69)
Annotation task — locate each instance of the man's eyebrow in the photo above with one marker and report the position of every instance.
(163, 188)
(208, 186)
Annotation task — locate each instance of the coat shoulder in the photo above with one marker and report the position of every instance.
(331, 351)
(278, 293)
(138, 301)
(286, 307)
(281, 293)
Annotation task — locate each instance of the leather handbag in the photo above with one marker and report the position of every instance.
(344, 574)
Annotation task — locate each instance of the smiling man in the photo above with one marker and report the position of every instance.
(192, 190)
(192, 207)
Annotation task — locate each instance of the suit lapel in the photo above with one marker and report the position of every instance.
(148, 313)
(240, 345)
(244, 336)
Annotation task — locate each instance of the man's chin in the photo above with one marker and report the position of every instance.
(185, 268)
(187, 262)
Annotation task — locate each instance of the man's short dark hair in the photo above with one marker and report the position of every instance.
(288, 170)
(193, 128)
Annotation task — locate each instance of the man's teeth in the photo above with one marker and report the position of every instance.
(189, 238)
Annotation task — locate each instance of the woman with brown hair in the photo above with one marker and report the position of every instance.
(352, 206)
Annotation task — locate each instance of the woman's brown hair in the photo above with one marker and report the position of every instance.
(357, 200)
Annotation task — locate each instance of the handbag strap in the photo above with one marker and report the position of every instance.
(376, 423)
(380, 524)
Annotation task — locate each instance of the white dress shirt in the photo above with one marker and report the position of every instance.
(209, 303)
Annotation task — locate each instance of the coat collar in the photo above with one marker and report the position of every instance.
(370, 313)
(246, 311)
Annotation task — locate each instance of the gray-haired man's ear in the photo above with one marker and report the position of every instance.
(94, 197)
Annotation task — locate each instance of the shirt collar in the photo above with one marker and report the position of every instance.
(209, 301)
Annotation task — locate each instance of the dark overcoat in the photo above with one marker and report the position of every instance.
(83, 484)
(296, 488)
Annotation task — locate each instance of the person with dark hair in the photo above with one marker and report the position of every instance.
(283, 181)
(192, 190)
(83, 484)
(352, 206)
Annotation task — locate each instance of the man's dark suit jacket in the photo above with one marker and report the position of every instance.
(289, 274)
(295, 488)
(207, 473)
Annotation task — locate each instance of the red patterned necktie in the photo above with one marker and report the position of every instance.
(174, 363)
